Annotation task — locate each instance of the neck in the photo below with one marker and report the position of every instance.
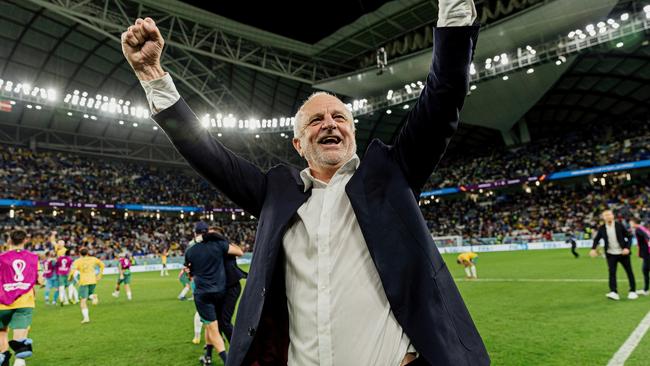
(15, 247)
(610, 222)
(324, 174)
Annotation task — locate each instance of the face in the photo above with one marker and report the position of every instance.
(633, 224)
(608, 216)
(326, 136)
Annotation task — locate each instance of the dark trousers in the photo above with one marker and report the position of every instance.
(645, 269)
(228, 310)
(624, 260)
(573, 251)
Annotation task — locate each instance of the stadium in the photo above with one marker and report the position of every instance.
(469, 210)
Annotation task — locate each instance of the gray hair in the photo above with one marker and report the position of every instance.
(299, 117)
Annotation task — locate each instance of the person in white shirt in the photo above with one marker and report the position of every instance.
(617, 250)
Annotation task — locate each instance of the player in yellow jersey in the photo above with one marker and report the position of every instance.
(468, 259)
(163, 260)
(19, 272)
(87, 280)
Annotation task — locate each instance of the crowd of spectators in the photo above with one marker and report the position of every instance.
(580, 149)
(107, 234)
(503, 215)
(515, 216)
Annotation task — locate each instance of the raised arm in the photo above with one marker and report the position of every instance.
(235, 250)
(434, 119)
(237, 178)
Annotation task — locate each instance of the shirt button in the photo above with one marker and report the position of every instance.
(263, 291)
(251, 331)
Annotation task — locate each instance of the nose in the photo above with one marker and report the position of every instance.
(328, 122)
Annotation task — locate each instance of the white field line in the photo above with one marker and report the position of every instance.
(630, 344)
(534, 280)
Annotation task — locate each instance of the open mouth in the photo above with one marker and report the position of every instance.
(330, 140)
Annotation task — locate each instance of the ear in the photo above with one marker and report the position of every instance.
(297, 146)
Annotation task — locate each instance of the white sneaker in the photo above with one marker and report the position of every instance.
(613, 296)
(84, 321)
(20, 362)
(642, 292)
(632, 296)
(116, 294)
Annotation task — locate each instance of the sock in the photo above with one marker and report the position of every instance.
(183, 292)
(62, 292)
(468, 272)
(473, 271)
(197, 325)
(84, 312)
(47, 295)
(208, 350)
(128, 295)
(223, 356)
(56, 297)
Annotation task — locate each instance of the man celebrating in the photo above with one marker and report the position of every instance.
(63, 263)
(18, 275)
(617, 250)
(86, 266)
(343, 255)
(205, 261)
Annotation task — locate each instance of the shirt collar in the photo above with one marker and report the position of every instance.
(349, 167)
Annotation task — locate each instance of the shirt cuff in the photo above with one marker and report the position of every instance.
(161, 93)
(456, 13)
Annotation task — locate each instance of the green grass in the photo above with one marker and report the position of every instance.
(522, 323)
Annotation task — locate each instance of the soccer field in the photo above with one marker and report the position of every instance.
(532, 308)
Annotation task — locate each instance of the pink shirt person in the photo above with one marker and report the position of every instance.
(48, 267)
(18, 274)
(63, 264)
(125, 263)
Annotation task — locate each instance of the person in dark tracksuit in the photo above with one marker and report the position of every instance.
(617, 250)
(642, 238)
(233, 289)
(570, 240)
(205, 261)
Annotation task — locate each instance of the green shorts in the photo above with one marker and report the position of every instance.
(124, 280)
(86, 290)
(63, 280)
(185, 280)
(20, 318)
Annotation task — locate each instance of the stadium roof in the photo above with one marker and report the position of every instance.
(222, 64)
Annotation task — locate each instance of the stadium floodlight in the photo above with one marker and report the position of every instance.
(388, 111)
(496, 58)
(155, 128)
(473, 87)
(602, 30)
(1, 82)
(472, 71)
(135, 124)
(12, 102)
(625, 16)
(86, 115)
(356, 120)
(94, 118)
(69, 113)
(219, 134)
(408, 88)
(530, 71)
(257, 136)
(601, 25)
(29, 106)
(646, 8)
(572, 34)
(505, 77)
(619, 45)
(120, 122)
(12, 213)
(406, 106)
(38, 107)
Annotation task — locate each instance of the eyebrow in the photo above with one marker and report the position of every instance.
(320, 114)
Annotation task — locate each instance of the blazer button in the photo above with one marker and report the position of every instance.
(263, 291)
(251, 331)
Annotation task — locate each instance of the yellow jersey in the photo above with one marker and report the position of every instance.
(467, 256)
(163, 258)
(86, 267)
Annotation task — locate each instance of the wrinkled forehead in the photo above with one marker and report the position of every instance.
(324, 104)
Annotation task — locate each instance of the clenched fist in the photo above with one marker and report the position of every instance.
(142, 45)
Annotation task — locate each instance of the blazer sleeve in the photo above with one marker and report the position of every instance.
(599, 235)
(429, 126)
(237, 178)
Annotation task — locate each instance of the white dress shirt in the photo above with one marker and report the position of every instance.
(613, 246)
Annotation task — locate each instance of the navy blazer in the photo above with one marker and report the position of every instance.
(384, 196)
(622, 235)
